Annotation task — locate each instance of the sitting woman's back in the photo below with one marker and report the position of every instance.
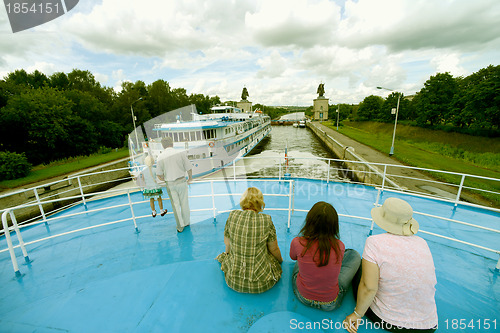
(324, 268)
(252, 261)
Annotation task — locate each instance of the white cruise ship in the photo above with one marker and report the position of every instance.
(212, 141)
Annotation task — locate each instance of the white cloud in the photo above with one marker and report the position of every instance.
(448, 63)
(293, 22)
(403, 25)
(280, 50)
(273, 65)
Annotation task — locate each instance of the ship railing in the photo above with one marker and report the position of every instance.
(83, 196)
(455, 187)
(38, 199)
(383, 176)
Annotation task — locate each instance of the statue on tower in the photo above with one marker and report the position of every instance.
(244, 94)
(321, 89)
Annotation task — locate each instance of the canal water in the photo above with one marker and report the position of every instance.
(307, 157)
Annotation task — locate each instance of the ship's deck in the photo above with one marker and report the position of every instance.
(114, 279)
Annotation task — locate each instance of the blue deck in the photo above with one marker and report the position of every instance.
(112, 279)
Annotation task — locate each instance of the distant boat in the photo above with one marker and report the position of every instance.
(295, 124)
(302, 123)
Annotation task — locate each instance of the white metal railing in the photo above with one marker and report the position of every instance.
(388, 181)
(15, 226)
(83, 198)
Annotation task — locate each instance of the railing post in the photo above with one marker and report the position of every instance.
(9, 243)
(290, 191)
(328, 174)
(279, 172)
(383, 178)
(132, 210)
(234, 170)
(81, 191)
(213, 199)
(379, 190)
(457, 200)
(19, 237)
(376, 205)
(35, 190)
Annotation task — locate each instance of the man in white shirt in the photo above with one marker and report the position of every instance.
(171, 167)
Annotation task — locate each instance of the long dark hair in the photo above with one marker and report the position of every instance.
(322, 226)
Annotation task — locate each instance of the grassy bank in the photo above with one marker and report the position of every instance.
(63, 167)
(434, 149)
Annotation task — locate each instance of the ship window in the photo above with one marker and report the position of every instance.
(176, 137)
(198, 135)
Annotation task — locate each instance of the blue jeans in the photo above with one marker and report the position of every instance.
(350, 265)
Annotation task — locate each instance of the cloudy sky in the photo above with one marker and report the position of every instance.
(279, 49)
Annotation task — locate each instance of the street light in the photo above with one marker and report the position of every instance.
(395, 121)
(133, 120)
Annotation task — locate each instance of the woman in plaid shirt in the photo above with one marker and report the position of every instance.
(252, 260)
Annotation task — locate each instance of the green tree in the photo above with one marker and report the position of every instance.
(203, 102)
(85, 81)
(40, 123)
(345, 111)
(133, 95)
(477, 104)
(59, 80)
(86, 105)
(435, 99)
(370, 108)
(160, 99)
(180, 97)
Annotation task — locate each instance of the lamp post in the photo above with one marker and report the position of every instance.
(395, 121)
(133, 120)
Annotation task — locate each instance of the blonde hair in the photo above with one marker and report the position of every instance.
(252, 199)
(149, 161)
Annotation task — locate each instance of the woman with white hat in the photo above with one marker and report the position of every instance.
(397, 284)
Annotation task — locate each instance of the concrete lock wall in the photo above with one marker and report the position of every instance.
(360, 172)
(64, 188)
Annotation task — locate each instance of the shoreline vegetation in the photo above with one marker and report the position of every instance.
(63, 167)
(434, 149)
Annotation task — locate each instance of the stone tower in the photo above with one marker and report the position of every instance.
(320, 106)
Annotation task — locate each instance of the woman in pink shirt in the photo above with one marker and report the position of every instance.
(397, 284)
(324, 268)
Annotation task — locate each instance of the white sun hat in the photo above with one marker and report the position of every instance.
(396, 217)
